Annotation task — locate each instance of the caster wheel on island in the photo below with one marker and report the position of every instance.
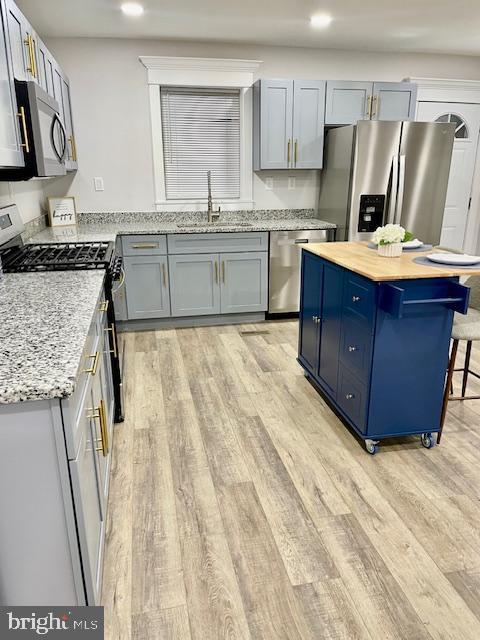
(372, 447)
(428, 440)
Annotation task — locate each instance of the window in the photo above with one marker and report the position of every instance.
(461, 130)
(200, 133)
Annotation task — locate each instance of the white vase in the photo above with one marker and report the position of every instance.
(393, 250)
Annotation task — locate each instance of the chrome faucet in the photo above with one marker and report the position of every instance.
(213, 216)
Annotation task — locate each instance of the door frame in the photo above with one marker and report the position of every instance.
(463, 92)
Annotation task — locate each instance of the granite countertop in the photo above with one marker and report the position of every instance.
(44, 322)
(106, 227)
(359, 258)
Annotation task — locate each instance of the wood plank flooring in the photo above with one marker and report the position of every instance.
(241, 508)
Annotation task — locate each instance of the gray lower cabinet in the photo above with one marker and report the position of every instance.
(288, 122)
(194, 284)
(349, 102)
(244, 282)
(147, 286)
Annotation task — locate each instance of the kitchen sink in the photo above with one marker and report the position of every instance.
(186, 225)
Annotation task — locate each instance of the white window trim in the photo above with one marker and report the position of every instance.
(210, 73)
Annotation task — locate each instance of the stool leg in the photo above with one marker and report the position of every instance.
(448, 384)
(467, 367)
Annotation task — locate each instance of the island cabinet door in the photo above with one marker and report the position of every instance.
(330, 324)
(147, 287)
(310, 308)
(195, 284)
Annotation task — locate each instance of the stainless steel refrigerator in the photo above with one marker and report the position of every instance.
(380, 172)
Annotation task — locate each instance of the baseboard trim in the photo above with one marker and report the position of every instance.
(190, 321)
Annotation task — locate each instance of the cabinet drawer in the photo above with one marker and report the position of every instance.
(356, 348)
(352, 398)
(217, 242)
(359, 299)
(144, 245)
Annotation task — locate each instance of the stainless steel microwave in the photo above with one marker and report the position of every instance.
(43, 134)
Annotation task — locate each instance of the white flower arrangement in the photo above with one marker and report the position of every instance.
(391, 234)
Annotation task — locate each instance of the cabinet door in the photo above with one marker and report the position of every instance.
(330, 332)
(243, 282)
(276, 118)
(394, 101)
(71, 158)
(308, 124)
(310, 305)
(11, 153)
(147, 287)
(194, 284)
(347, 102)
(87, 499)
(42, 58)
(19, 43)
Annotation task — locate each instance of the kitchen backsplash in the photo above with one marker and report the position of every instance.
(34, 226)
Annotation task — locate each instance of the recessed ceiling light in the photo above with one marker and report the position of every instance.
(321, 20)
(132, 9)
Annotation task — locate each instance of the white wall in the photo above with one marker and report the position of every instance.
(28, 196)
(111, 110)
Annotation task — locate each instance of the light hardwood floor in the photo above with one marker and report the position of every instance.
(241, 507)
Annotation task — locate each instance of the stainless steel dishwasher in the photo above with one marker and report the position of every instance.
(284, 278)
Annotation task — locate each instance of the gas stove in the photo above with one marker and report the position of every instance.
(65, 256)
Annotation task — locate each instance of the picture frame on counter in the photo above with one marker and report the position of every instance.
(62, 211)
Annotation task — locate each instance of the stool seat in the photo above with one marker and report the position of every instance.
(467, 327)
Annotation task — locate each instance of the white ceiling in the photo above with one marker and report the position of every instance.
(438, 26)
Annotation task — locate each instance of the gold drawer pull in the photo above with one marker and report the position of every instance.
(145, 245)
(111, 328)
(93, 368)
(100, 415)
(25, 143)
(104, 306)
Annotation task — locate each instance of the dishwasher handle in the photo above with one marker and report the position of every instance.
(301, 241)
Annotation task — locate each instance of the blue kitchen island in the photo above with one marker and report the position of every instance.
(375, 334)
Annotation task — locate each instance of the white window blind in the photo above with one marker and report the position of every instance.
(201, 132)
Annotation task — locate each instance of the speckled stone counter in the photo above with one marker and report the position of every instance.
(44, 322)
(106, 227)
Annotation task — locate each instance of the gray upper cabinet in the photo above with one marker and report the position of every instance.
(147, 287)
(11, 152)
(194, 281)
(288, 119)
(394, 101)
(244, 282)
(349, 102)
(272, 124)
(22, 43)
(308, 124)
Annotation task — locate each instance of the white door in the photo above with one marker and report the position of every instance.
(467, 119)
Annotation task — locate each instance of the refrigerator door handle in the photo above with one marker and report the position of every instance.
(393, 191)
(401, 189)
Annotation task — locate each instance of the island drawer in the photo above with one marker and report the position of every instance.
(356, 348)
(144, 245)
(359, 299)
(217, 242)
(352, 398)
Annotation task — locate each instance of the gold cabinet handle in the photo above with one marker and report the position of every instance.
(145, 245)
(216, 272)
(104, 306)
(101, 415)
(111, 328)
(73, 146)
(375, 101)
(288, 150)
(164, 276)
(25, 143)
(93, 368)
(34, 57)
(29, 43)
(295, 154)
(223, 271)
(369, 107)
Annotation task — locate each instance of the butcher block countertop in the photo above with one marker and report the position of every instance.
(358, 257)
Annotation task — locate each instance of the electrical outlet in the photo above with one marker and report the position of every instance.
(291, 183)
(269, 184)
(98, 184)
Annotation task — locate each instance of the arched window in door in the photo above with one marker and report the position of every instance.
(461, 130)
